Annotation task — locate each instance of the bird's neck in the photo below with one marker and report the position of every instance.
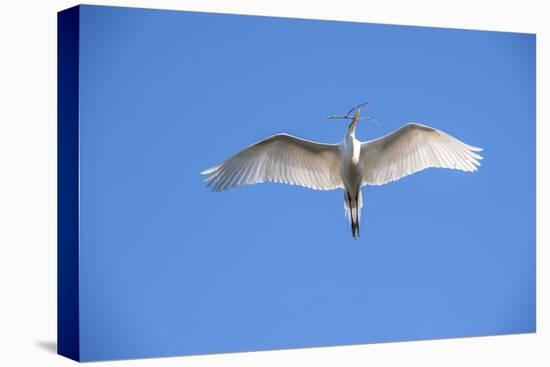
(351, 146)
(350, 133)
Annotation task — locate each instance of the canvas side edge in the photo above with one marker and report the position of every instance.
(68, 314)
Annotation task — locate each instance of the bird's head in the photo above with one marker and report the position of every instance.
(355, 115)
(355, 118)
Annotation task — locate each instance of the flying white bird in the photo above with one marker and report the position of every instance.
(349, 165)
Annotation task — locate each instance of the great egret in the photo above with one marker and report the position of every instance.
(349, 165)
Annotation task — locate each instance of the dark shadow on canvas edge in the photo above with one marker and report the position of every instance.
(48, 345)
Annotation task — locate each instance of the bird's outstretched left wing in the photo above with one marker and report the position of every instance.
(280, 158)
(412, 148)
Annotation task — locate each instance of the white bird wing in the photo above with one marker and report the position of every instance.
(280, 158)
(412, 148)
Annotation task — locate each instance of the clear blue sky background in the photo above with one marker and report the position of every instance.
(168, 267)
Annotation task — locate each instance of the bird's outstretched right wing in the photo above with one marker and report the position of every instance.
(412, 148)
(280, 158)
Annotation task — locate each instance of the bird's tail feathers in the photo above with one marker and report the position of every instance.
(352, 205)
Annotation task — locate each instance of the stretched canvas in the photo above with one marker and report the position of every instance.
(189, 145)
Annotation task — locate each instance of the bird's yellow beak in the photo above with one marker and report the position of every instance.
(356, 116)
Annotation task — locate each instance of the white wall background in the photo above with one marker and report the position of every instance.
(28, 182)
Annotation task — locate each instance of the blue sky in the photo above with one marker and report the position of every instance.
(168, 267)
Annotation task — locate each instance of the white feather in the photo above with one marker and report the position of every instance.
(280, 158)
(412, 148)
